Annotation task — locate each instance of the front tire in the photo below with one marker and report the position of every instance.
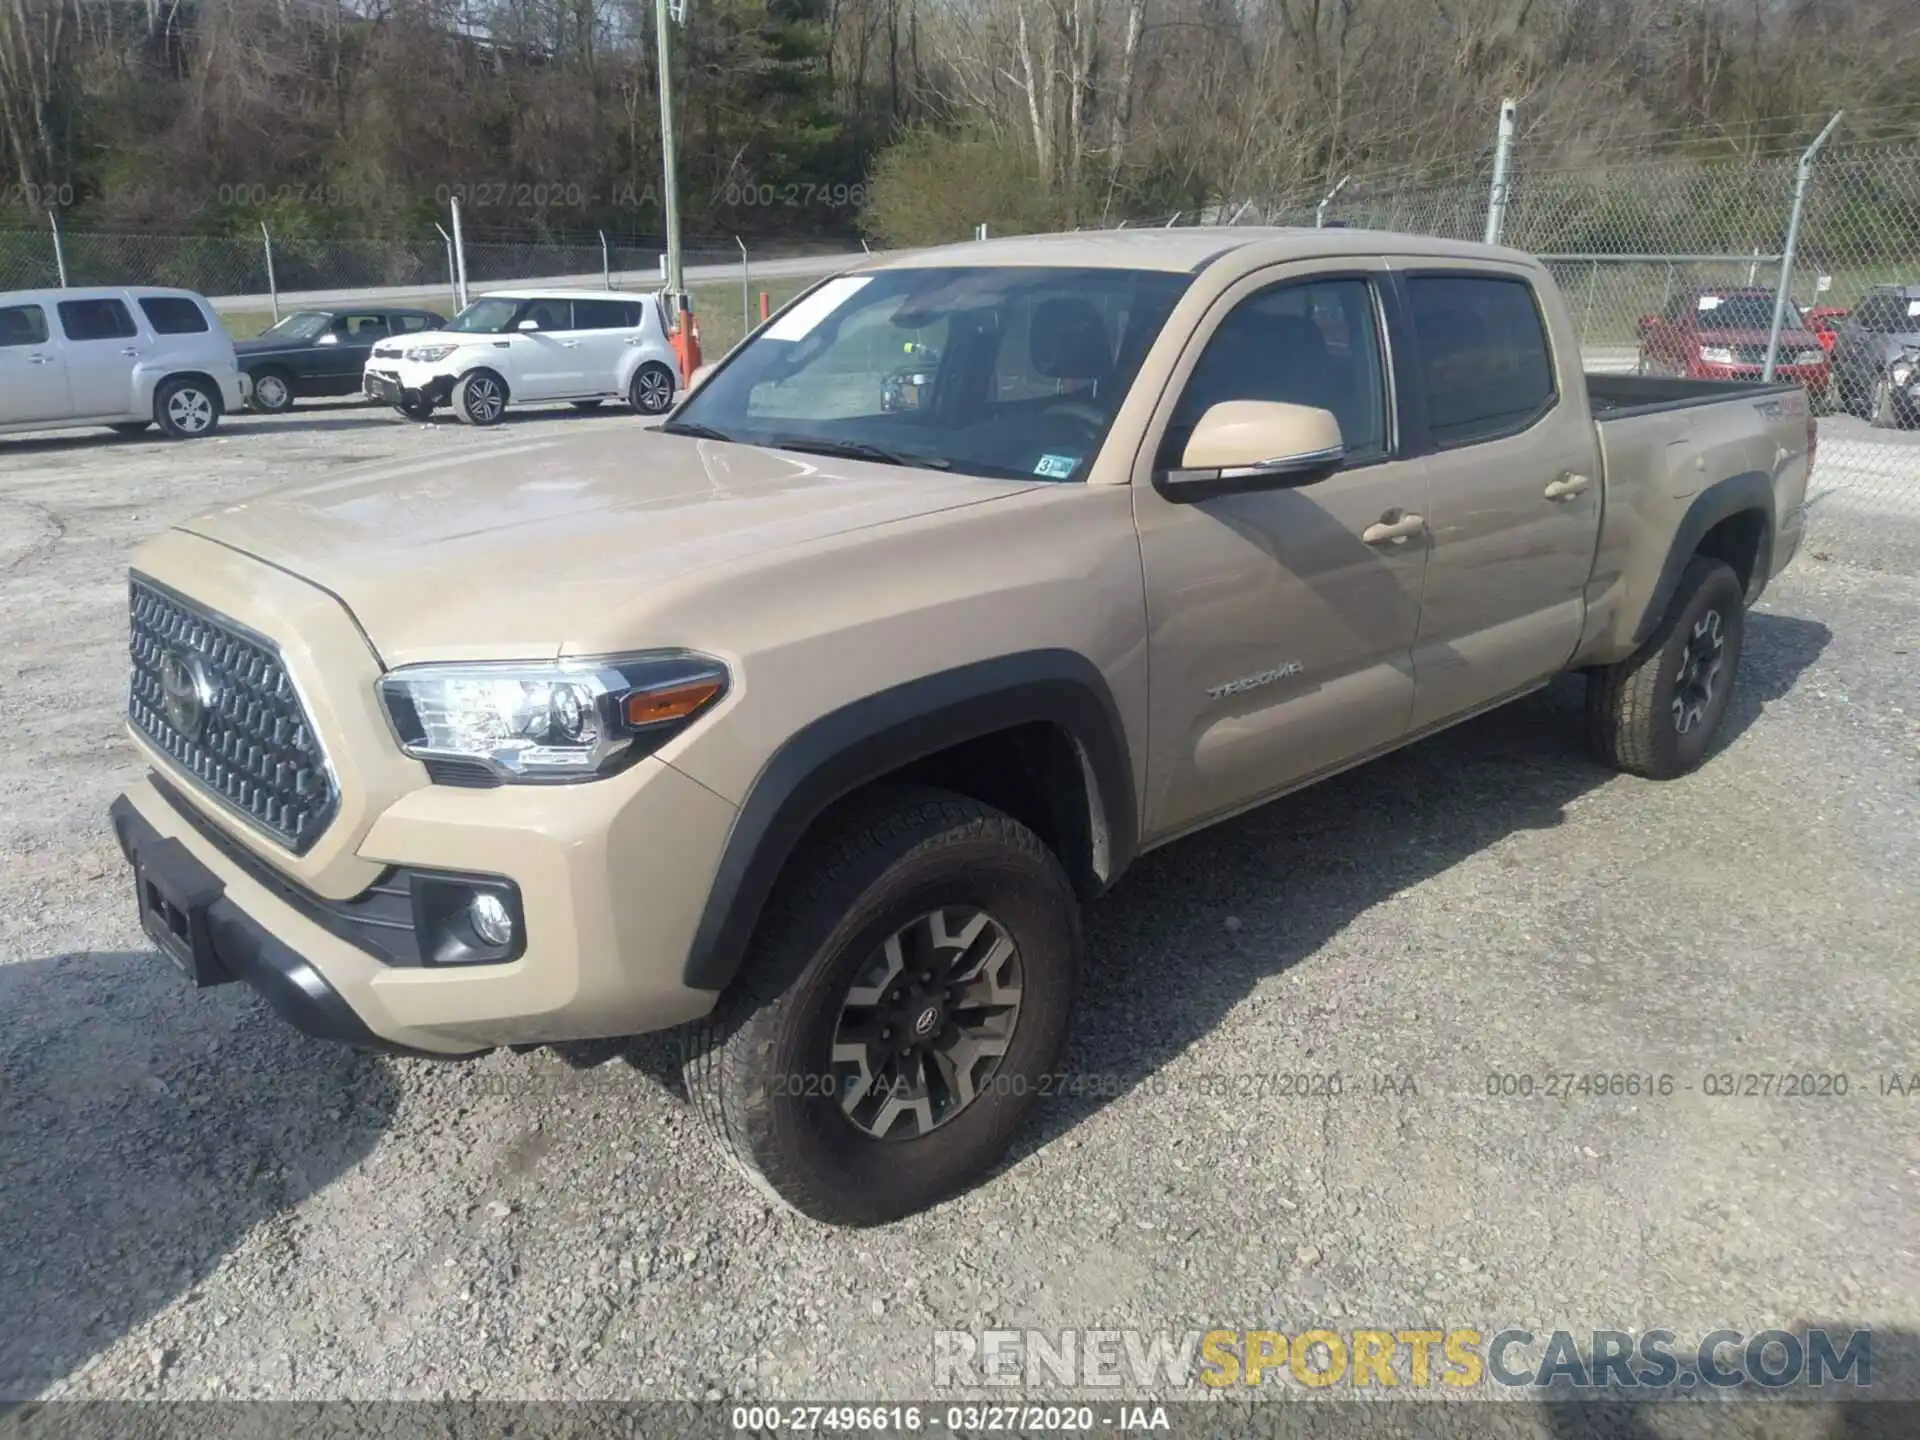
(480, 398)
(651, 389)
(907, 996)
(272, 392)
(1655, 713)
(186, 409)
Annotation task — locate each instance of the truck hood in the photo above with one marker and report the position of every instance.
(523, 548)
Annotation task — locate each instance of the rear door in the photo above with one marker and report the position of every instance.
(33, 373)
(607, 332)
(1513, 512)
(103, 345)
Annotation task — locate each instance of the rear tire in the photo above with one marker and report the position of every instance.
(651, 389)
(931, 939)
(272, 392)
(186, 409)
(1655, 714)
(480, 398)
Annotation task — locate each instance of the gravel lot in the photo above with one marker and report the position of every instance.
(198, 1202)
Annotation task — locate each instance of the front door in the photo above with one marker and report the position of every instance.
(1514, 507)
(546, 359)
(1281, 622)
(103, 347)
(340, 364)
(33, 377)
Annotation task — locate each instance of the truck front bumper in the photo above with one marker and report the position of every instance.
(602, 877)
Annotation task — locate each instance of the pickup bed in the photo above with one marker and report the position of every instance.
(806, 721)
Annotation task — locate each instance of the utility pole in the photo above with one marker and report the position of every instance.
(664, 13)
(1502, 163)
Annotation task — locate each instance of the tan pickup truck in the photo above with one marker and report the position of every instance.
(807, 720)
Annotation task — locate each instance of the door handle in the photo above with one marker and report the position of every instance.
(1393, 532)
(39, 359)
(131, 350)
(569, 344)
(1567, 486)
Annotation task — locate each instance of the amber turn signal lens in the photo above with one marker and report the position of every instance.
(652, 707)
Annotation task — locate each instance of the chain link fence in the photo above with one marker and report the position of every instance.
(247, 274)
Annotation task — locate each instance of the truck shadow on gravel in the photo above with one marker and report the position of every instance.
(1298, 871)
(148, 1130)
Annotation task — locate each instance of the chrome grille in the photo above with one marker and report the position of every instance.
(250, 743)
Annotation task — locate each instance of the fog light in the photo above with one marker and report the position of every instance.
(492, 921)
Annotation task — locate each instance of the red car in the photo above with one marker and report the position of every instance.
(1721, 334)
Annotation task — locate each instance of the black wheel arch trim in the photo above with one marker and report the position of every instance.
(1737, 494)
(838, 753)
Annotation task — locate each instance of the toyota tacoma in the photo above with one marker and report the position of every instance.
(807, 720)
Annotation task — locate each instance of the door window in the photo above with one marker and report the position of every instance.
(411, 323)
(173, 315)
(606, 314)
(1483, 354)
(548, 314)
(364, 328)
(96, 320)
(1312, 342)
(22, 325)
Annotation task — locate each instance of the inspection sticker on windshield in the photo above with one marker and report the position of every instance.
(1056, 467)
(798, 323)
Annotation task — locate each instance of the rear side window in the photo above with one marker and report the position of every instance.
(96, 320)
(362, 327)
(1483, 354)
(173, 315)
(411, 323)
(606, 314)
(22, 325)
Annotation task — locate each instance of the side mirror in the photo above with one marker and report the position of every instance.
(1245, 445)
(332, 337)
(528, 325)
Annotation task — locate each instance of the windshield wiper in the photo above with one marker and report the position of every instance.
(695, 432)
(856, 450)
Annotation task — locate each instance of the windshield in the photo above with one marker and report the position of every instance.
(1745, 312)
(301, 325)
(1012, 371)
(485, 317)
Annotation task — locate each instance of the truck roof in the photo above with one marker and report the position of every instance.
(1186, 249)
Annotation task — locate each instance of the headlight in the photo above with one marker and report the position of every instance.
(550, 721)
(1809, 357)
(431, 353)
(1716, 355)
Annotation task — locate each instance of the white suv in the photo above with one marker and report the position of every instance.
(582, 346)
(121, 357)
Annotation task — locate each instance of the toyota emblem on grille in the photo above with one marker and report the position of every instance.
(186, 692)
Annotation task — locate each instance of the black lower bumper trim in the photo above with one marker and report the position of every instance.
(243, 949)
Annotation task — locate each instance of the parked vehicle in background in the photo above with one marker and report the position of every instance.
(315, 353)
(1721, 334)
(809, 717)
(125, 358)
(522, 347)
(1824, 321)
(1876, 357)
